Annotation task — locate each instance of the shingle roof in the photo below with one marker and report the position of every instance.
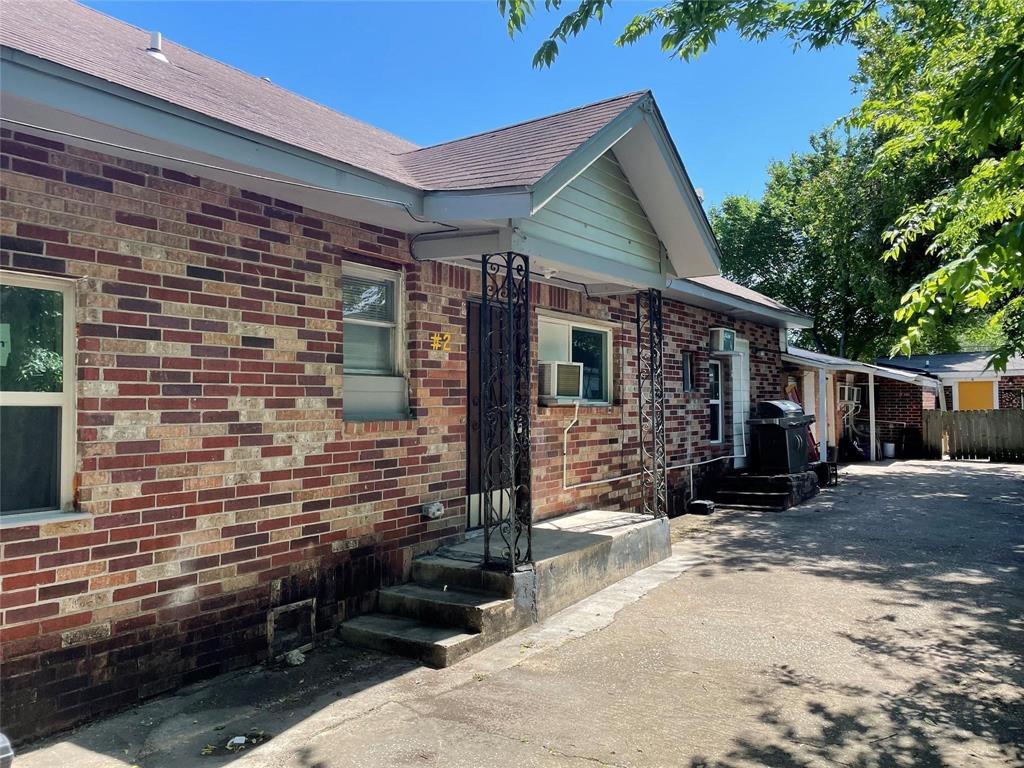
(517, 155)
(724, 285)
(952, 362)
(86, 40)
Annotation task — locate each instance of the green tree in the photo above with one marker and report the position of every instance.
(943, 87)
(814, 242)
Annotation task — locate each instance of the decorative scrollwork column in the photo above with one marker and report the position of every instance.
(505, 411)
(651, 381)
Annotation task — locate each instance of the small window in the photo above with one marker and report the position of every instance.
(374, 388)
(567, 341)
(37, 414)
(715, 400)
(369, 299)
(688, 379)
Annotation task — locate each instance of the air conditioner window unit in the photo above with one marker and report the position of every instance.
(723, 340)
(849, 393)
(561, 381)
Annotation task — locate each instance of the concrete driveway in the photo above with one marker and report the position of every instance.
(881, 624)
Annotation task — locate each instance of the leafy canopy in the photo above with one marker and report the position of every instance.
(943, 87)
(814, 242)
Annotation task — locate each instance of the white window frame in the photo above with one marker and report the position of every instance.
(568, 323)
(717, 401)
(65, 399)
(397, 277)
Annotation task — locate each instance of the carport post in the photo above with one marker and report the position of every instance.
(871, 406)
(822, 414)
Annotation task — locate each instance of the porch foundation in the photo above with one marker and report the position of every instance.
(456, 605)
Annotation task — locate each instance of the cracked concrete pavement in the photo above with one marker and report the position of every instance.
(880, 624)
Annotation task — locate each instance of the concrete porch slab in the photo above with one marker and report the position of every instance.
(581, 553)
(454, 606)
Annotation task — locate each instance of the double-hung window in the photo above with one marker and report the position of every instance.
(370, 298)
(37, 393)
(567, 340)
(374, 385)
(715, 400)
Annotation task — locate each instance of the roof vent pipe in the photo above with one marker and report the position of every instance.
(156, 46)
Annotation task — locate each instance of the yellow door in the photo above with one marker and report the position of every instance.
(976, 395)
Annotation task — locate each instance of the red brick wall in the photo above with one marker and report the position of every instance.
(898, 403)
(213, 460)
(212, 455)
(1011, 392)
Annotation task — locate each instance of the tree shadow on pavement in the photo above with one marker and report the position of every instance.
(940, 539)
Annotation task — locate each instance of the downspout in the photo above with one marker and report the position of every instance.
(872, 453)
(823, 414)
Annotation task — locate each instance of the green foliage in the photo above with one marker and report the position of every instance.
(943, 85)
(41, 370)
(814, 242)
(949, 83)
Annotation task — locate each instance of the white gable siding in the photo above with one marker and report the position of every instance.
(599, 213)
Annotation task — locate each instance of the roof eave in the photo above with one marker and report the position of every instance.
(47, 82)
(806, 359)
(686, 290)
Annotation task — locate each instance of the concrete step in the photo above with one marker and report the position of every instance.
(401, 636)
(451, 573)
(761, 499)
(474, 611)
(753, 508)
(754, 483)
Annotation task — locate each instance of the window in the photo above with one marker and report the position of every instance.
(369, 298)
(688, 378)
(373, 387)
(715, 400)
(37, 394)
(564, 340)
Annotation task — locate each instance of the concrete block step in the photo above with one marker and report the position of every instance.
(474, 611)
(442, 572)
(754, 483)
(763, 499)
(401, 636)
(753, 508)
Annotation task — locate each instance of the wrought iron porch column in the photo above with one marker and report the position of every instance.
(651, 385)
(505, 411)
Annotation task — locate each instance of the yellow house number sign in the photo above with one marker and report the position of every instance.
(441, 342)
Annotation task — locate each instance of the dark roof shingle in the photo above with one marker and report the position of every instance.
(88, 41)
(951, 362)
(724, 285)
(517, 155)
(92, 42)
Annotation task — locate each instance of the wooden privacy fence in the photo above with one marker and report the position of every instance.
(997, 435)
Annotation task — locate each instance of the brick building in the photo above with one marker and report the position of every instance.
(240, 357)
(865, 406)
(968, 381)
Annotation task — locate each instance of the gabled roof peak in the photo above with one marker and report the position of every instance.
(631, 96)
(517, 155)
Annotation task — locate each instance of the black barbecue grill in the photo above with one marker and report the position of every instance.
(779, 432)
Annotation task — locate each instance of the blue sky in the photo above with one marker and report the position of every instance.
(432, 71)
